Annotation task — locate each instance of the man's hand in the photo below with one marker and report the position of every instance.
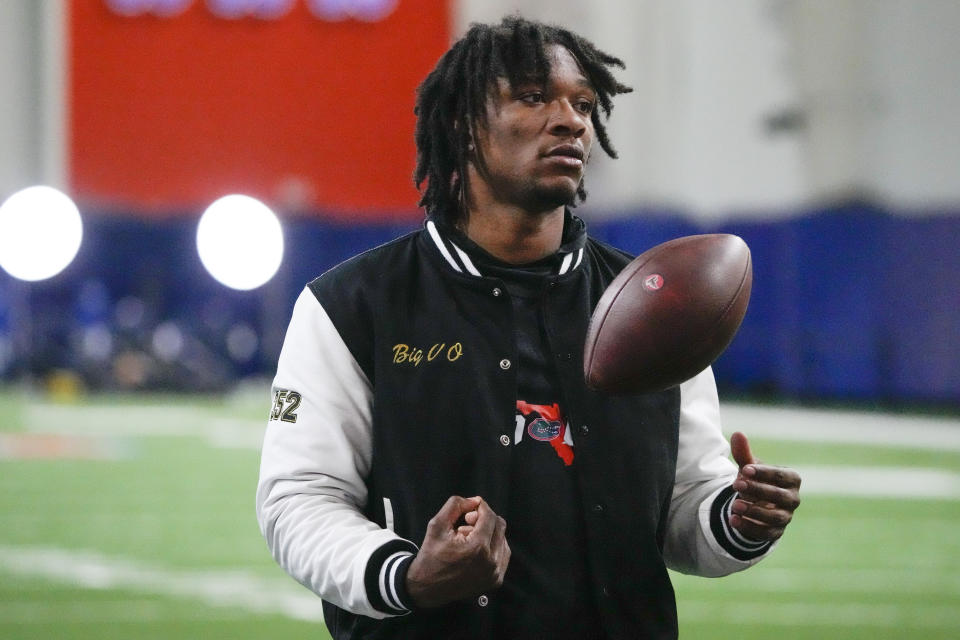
(457, 561)
(768, 495)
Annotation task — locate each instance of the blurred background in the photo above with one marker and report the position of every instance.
(137, 343)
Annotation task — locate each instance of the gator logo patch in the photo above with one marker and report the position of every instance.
(545, 423)
(544, 430)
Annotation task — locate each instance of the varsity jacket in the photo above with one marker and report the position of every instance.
(396, 388)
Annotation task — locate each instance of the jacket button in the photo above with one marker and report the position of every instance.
(504, 364)
(584, 429)
(483, 601)
(504, 439)
(496, 292)
(598, 508)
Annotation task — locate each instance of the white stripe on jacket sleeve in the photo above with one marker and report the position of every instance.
(696, 541)
(311, 491)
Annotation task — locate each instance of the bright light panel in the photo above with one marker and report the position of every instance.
(40, 233)
(240, 242)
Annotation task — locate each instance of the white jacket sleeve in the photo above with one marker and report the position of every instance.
(699, 538)
(315, 459)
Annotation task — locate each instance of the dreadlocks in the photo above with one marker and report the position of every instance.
(454, 97)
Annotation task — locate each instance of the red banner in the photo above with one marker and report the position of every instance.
(167, 113)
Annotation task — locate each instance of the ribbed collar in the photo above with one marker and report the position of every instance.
(465, 256)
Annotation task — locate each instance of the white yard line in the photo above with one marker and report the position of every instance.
(146, 421)
(218, 588)
(879, 482)
(845, 427)
(821, 614)
(243, 591)
(773, 422)
(857, 428)
(127, 610)
(918, 581)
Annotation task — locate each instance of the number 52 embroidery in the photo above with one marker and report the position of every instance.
(285, 404)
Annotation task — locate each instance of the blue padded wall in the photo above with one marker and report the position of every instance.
(849, 303)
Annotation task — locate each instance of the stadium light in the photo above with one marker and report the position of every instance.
(40, 233)
(160, 8)
(365, 10)
(240, 242)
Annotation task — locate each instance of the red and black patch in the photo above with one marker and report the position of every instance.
(545, 423)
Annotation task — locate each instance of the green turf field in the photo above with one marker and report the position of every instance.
(133, 518)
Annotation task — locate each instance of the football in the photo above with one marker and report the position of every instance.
(668, 314)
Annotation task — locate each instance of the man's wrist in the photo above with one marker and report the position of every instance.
(385, 577)
(400, 583)
(732, 541)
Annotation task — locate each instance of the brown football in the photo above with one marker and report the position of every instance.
(668, 314)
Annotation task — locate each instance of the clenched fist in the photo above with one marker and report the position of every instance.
(457, 561)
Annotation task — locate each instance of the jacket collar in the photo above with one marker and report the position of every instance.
(463, 255)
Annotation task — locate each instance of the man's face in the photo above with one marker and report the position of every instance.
(537, 138)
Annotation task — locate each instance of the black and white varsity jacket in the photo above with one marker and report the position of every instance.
(396, 389)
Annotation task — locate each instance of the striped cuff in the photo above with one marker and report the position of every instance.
(732, 541)
(386, 577)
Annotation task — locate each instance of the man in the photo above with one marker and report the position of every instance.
(434, 466)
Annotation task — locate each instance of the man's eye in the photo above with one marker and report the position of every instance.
(532, 98)
(585, 106)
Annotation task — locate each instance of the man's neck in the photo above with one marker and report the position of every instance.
(515, 235)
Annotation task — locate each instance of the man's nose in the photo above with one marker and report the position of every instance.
(566, 120)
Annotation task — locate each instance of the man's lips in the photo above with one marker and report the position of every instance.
(566, 154)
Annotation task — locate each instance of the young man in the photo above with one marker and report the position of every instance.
(434, 466)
